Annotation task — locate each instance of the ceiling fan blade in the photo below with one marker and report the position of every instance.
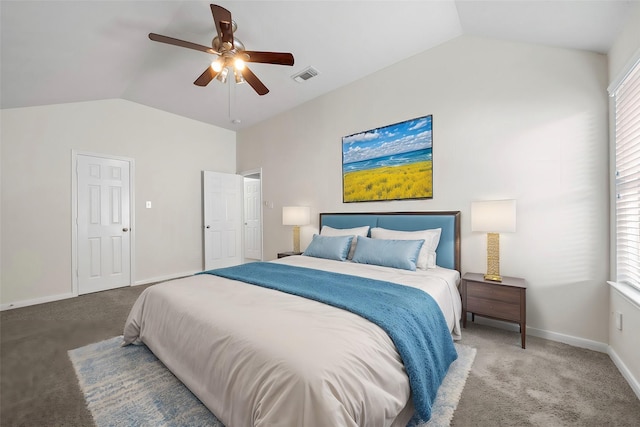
(278, 58)
(222, 19)
(206, 77)
(254, 81)
(181, 43)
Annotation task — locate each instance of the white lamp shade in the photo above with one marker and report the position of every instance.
(296, 215)
(493, 216)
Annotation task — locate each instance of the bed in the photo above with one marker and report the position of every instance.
(274, 354)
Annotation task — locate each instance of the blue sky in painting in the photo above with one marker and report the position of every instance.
(399, 138)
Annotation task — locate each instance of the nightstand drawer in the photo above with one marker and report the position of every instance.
(491, 292)
(493, 308)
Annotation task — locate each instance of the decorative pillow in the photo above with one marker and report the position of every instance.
(427, 257)
(358, 231)
(334, 247)
(388, 253)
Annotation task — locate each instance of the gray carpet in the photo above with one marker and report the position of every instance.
(548, 384)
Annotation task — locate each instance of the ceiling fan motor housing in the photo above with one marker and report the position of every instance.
(217, 45)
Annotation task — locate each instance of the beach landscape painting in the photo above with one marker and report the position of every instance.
(393, 162)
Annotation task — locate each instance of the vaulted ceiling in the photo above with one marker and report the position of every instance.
(69, 51)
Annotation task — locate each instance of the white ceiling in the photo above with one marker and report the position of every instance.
(69, 51)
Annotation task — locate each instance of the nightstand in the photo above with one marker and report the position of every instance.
(506, 300)
(285, 254)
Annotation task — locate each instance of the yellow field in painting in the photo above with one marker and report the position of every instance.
(412, 181)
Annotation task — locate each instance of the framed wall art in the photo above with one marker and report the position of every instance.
(393, 162)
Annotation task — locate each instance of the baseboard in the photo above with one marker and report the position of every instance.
(541, 333)
(164, 278)
(35, 301)
(52, 298)
(626, 373)
(569, 339)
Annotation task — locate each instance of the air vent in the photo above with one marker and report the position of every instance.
(305, 75)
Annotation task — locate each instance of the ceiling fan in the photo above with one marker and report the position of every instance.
(230, 53)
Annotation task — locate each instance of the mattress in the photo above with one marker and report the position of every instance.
(259, 357)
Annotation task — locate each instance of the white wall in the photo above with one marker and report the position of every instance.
(624, 343)
(626, 45)
(169, 152)
(510, 120)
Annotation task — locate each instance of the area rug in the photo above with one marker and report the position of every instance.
(130, 386)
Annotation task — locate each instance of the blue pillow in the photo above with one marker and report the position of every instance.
(330, 247)
(388, 253)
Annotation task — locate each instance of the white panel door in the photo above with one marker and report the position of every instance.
(222, 212)
(252, 213)
(103, 220)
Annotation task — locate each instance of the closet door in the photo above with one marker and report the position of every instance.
(103, 223)
(222, 215)
(252, 219)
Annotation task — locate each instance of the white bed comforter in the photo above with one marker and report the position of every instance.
(258, 357)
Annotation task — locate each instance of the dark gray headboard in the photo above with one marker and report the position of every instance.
(448, 251)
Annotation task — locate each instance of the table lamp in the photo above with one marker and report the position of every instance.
(493, 217)
(296, 216)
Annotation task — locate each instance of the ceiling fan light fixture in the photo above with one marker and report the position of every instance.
(239, 64)
(216, 65)
(222, 75)
(239, 77)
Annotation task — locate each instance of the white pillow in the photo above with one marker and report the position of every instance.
(358, 231)
(427, 256)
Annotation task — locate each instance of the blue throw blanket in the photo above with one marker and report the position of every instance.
(410, 317)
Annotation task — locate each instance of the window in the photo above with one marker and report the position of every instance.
(627, 178)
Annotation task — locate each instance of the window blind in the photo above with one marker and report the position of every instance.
(627, 179)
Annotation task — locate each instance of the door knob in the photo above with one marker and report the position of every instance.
(208, 226)
(125, 229)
